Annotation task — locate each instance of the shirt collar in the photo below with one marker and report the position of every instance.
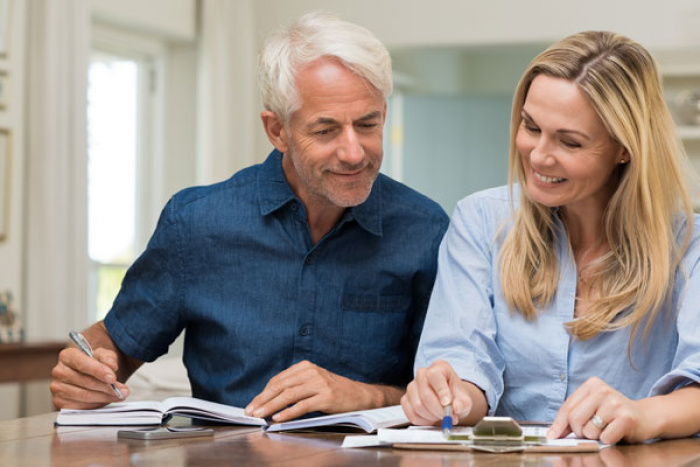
(274, 192)
(273, 189)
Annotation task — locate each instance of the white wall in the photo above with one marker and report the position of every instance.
(12, 118)
(405, 23)
(149, 16)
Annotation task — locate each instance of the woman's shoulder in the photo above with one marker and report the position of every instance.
(486, 210)
(492, 202)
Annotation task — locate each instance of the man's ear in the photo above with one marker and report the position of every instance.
(274, 127)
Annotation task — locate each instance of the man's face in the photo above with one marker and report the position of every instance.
(334, 140)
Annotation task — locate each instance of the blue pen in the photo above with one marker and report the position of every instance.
(84, 345)
(447, 421)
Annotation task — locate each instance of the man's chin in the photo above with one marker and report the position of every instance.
(349, 198)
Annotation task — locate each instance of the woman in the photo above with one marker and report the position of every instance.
(574, 296)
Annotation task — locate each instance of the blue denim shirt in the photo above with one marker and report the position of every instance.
(527, 369)
(234, 266)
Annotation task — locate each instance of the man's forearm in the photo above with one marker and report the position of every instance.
(99, 337)
(379, 395)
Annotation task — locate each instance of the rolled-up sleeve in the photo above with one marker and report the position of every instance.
(144, 318)
(686, 363)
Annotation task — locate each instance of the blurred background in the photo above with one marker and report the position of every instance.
(108, 108)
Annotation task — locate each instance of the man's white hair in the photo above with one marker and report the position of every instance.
(309, 38)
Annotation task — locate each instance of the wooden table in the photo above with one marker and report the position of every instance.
(34, 441)
(21, 362)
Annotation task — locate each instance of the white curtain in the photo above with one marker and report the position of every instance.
(58, 44)
(227, 109)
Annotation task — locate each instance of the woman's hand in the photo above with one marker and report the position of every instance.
(434, 388)
(597, 411)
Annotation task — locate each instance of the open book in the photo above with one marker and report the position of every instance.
(154, 413)
(365, 420)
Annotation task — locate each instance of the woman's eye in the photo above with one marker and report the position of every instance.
(571, 144)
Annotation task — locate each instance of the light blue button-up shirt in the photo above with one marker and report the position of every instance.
(528, 368)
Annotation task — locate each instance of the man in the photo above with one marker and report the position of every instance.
(301, 283)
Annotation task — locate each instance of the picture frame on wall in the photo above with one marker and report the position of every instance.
(4, 89)
(5, 10)
(5, 171)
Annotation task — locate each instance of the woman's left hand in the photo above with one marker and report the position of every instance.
(597, 411)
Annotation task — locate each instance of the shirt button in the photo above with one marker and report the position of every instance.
(309, 259)
(293, 206)
(305, 330)
(562, 377)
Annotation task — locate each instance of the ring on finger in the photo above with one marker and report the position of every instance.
(598, 422)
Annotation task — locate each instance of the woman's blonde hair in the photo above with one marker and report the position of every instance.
(621, 82)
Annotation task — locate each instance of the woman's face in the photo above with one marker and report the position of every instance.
(568, 155)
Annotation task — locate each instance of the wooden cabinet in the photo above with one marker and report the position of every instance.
(21, 362)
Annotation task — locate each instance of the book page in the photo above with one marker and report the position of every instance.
(367, 420)
(154, 406)
(201, 409)
(152, 412)
(118, 413)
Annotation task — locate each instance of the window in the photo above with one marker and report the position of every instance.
(112, 154)
(124, 120)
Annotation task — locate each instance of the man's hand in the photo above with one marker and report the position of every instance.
(305, 387)
(81, 382)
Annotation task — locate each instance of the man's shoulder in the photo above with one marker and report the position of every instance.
(233, 188)
(405, 201)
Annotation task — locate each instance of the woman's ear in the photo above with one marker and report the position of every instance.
(274, 127)
(624, 156)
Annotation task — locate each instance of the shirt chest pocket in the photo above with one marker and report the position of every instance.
(376, 333)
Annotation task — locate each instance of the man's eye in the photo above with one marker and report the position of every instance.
(323, 132)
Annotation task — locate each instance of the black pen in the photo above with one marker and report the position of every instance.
(84, 345)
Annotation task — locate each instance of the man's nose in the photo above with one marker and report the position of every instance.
(350, 149)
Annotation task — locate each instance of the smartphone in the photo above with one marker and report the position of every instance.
(165, 433)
